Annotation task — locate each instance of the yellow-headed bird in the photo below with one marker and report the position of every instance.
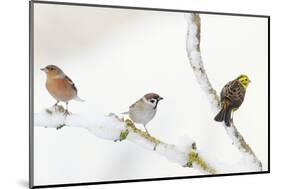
(232, 96)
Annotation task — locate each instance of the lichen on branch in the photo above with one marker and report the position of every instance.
(118, 128)
(195, 158)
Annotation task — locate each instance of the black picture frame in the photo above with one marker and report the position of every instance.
(31, 91)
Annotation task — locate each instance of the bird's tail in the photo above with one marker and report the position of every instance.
(224, 114)
(77, 98)
(220, 116)
(227, 116)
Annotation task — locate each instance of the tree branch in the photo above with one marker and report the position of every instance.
(196, 62)
(117, 128)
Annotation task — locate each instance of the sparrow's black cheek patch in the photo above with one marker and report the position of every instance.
(157, 101)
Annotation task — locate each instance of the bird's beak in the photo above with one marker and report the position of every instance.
(160, 98)
(43, 69)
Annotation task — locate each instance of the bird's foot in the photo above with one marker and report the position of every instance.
(58, 108)
(66, 113)
(147, 133)
(55, 106)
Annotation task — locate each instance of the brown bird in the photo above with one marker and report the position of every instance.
(60, 86)
(232, 96)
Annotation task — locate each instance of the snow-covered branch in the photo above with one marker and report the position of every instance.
(195, 59)
(116, 128)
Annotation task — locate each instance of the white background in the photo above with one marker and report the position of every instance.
(114, 56)
(14, 80)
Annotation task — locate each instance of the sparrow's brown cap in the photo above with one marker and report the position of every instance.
(152, 96)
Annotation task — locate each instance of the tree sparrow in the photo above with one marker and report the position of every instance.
(144, 109)
(60, 86)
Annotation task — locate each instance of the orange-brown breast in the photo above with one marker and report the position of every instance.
(60, 89)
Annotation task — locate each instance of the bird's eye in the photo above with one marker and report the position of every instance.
(51, 68)
(152, 101)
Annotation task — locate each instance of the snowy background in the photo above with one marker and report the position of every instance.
(114, 56)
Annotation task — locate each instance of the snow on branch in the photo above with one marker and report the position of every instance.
(195, 59)
(116, 128)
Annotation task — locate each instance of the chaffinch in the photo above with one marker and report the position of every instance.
(60, 86)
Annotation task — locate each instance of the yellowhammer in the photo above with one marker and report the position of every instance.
(232, 96)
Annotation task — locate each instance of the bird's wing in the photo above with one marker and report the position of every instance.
(71, 83)
(137, 104)
(134, 105)
(225, 90)
(235, 92)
